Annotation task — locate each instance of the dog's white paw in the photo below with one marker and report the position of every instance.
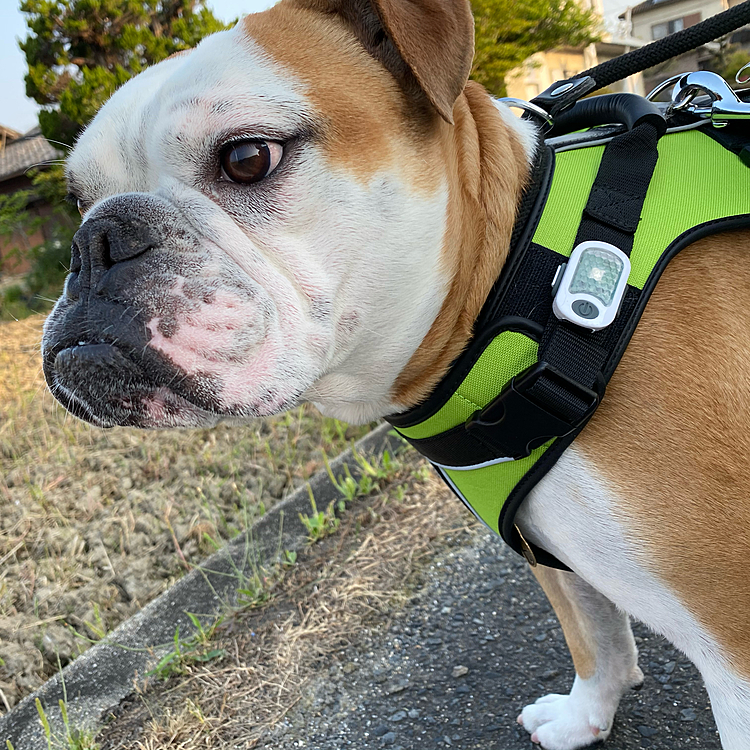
(567, 722)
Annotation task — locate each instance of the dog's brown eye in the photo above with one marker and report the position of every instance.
(250, 161)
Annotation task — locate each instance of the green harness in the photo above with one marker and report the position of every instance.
(468, 427)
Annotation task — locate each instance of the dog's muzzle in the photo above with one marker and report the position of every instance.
(125, 260)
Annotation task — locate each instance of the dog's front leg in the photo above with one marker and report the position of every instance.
(606, 662)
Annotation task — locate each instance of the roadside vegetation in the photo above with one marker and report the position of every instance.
(78, 53)
(265, 656)
(95, 523)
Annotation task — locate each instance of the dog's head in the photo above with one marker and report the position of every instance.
(264, 218)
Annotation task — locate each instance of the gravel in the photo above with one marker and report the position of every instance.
(477, 642)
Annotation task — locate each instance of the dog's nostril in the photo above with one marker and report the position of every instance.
(107, 261)
(75, 258)
(73, 284)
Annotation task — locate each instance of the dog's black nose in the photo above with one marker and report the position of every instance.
(101, 243)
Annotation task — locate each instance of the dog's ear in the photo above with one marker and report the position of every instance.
(427, 45)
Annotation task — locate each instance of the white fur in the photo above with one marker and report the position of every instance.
(525, 130)
(573, 514)
(567, 722)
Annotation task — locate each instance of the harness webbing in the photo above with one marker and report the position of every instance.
(611, 214)
(528, 383)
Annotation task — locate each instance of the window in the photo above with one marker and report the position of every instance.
(660, 30)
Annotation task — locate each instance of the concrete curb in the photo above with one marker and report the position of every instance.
(101, 677)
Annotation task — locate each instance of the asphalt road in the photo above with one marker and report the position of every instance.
(476, 643)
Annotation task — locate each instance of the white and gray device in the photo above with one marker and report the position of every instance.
(592, 285)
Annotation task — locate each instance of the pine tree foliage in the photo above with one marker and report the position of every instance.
(80, 51)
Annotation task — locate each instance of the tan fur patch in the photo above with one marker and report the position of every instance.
(369, 127)
(363, 113)
(487, 170)
(673, 437)
(574, 622)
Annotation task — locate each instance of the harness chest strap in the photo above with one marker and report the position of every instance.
(528, 382)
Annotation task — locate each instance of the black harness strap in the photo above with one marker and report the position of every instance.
(612, 214)
(554, 399)
(557, 396)
(616, 199)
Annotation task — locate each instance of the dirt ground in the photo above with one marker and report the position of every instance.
(339, 588)
(412, 627)
(95, 523)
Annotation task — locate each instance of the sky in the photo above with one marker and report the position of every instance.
(20, 113)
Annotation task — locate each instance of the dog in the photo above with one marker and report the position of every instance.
(314, 206)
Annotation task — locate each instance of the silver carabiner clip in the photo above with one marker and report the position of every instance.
(738, 77)
(547, 121)
(706, 95)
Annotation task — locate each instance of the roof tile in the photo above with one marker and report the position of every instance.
(31, 150)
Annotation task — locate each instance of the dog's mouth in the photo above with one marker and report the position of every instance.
(100, 384)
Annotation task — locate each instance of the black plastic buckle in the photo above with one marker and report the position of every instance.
(562, 95)
(513, 424)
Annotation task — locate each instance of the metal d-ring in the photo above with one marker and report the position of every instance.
(723, 103)
(677, 103)
(509, 101)
(746, 79)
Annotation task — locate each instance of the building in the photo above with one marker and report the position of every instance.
(624, 28)
(543, 69)
(655, 19)
(18, 154)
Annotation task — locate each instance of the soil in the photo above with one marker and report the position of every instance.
(96, 523)
(413, 627)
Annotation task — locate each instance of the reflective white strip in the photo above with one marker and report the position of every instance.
(463, 499)
(474, 466)
(600, 141)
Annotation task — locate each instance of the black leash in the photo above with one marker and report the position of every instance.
(670, 46)
(564, 94)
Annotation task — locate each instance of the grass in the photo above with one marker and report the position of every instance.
(257, 587)
(194, 650)
(72, 738)
(95, 523)
(341, 586)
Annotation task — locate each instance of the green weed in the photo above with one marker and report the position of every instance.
(256, 590)
(321, 523)
(372, 473)
(72, 739)
(193, 650)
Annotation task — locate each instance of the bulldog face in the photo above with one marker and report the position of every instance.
(263, 222)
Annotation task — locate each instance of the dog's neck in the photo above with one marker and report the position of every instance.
(492, 150)
(486, 157)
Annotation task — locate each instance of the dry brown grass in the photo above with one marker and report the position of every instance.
(341, 587)
(95, 523)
